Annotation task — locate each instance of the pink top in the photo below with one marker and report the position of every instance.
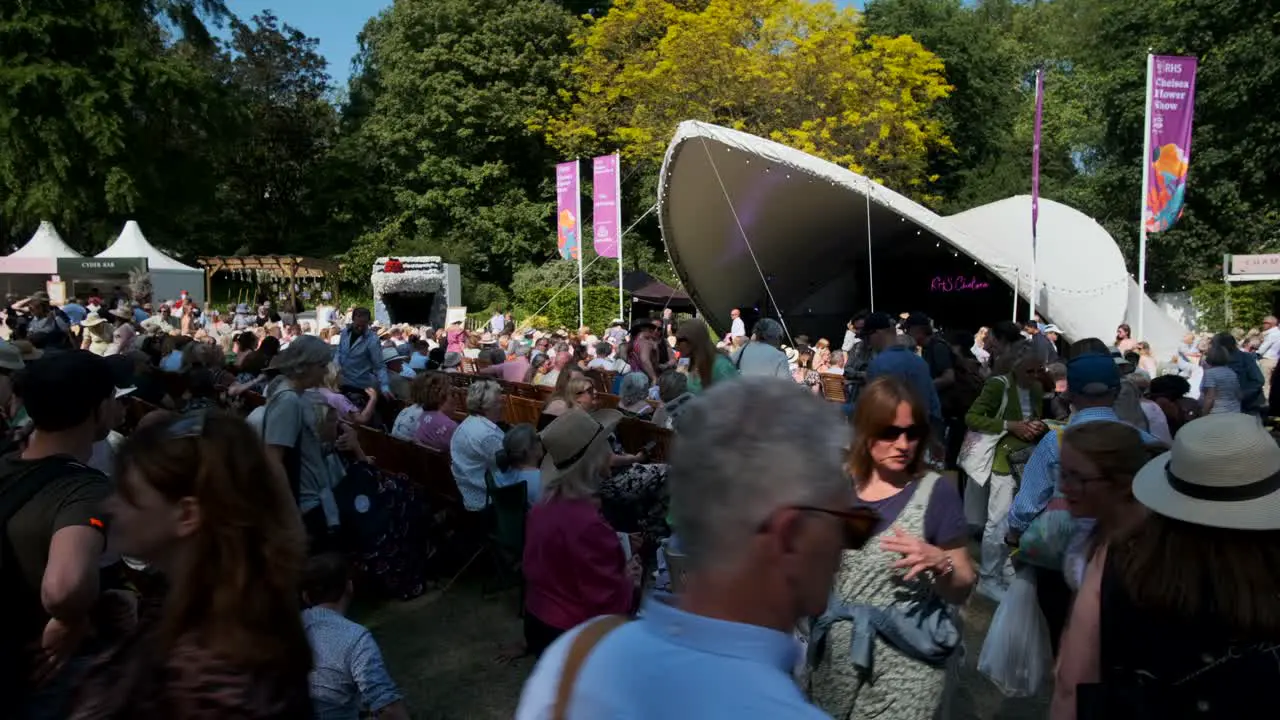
(511, 370)
(435, 430)
(574, 567)
(453, 341)
(339, 402)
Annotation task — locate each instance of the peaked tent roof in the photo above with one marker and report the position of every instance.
(45, 243)
(131, 244)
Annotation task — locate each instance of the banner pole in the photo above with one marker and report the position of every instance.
(577, 185)
(871, 276)
(1142, 206)
(1035, 194)
(1015, 295)
(617, 198)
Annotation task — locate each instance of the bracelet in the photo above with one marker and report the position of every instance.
(949, 566)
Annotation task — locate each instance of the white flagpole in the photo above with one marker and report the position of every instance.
(617, 199)
(1142, 208)
(582, 236)
(1034, 249)
(871, 277)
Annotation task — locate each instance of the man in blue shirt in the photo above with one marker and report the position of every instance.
(359, 356)
(898, 359)
(757, 497)
(75, 311)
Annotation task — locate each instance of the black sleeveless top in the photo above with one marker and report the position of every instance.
(1158, 666)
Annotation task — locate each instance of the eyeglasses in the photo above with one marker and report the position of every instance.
(914, 433)
(857, 523)
(1060, 478)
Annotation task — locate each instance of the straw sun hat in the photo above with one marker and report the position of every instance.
(1223, 472)
(571, 437)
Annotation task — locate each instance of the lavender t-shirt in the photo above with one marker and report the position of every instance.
(944, 522)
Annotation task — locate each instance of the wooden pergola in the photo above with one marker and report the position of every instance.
(284, 267)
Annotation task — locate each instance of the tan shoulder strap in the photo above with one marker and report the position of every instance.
(583, 644)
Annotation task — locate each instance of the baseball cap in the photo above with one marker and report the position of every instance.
(876, 322)
(1092, 374)
(917, 319)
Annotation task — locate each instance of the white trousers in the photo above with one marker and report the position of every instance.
(995, 565)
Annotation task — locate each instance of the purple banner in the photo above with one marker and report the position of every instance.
(606, 209)
(568, 211)
(1035, 158)
(1171, 99)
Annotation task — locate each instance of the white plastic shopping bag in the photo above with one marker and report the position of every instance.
(1016, 654)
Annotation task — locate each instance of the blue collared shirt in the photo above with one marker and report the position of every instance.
(911, 369)
(472, 453)
(347, 671)
(1037, 481)
(361, 361)
(673, 664)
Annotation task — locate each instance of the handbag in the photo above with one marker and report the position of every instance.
(978, 451)
(1045, 542)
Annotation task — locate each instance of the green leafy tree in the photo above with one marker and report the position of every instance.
(441, 102)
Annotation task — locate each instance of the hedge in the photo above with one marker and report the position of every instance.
(600, 307)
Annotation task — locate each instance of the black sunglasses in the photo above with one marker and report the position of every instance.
(893, 432)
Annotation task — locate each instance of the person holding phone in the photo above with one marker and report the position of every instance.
(1011, 402)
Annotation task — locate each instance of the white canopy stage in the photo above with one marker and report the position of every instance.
(756, 225)
(168, 276)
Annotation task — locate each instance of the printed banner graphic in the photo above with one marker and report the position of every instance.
(1173, 93)
(606, 209)
(568, 211)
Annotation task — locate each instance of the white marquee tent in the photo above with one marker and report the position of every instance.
(40, 255)
(753, 224)
(168, 276)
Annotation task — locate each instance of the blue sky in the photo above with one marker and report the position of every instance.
(336, 23)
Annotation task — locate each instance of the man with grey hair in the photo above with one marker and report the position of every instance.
(761, 506)
(761, 356)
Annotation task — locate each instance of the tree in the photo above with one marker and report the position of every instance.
(446, 89)
(271, 178)
(803, 73)
(88, 90)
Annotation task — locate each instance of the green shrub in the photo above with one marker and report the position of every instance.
(1249, 303)
(600, 307)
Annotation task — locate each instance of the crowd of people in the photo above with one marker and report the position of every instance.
(802, 549)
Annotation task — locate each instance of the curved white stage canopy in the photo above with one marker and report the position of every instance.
(739, 212)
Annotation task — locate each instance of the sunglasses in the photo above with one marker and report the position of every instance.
(893, 432)
(858, 523)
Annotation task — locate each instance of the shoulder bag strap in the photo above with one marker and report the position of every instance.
(1004, 396)
(920, 498)
(583, 644)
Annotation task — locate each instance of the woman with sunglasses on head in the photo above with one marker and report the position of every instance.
(908, 576)
(197, 500)
(706, 365)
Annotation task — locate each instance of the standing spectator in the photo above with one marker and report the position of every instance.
(498, 322)
(198, 500)
(763, 512)
(359, 356)
(347, 673)
(761, 356)
(707, 366)
(736, 328)
(1124, 338)
(1182, 619)
(897, 360)
(1269, 350)
(1219, 387)
(54, 537)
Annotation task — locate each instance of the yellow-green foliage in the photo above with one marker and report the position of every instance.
(804, 73)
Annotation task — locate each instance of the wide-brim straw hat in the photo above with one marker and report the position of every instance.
(573, 437)
(1223, 472)
(122, 313)
(91, 320)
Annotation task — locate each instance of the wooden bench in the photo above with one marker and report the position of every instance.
(833, 387)
(522, 410)
(635, 433)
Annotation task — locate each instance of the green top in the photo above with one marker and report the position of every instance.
(722, 369)
(982, 416)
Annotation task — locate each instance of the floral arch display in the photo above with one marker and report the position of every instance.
(753, 224)
(414, 290)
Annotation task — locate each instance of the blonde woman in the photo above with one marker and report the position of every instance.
(97, 334)
(575, 566)
(1147, 362)
(344, 407)
(979, 348)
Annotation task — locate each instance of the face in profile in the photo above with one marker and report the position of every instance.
(1083, 485)
(146, 525)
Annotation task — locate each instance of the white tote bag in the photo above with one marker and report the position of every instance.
(978, 451)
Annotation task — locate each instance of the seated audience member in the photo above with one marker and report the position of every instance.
(436, 425)
(574, 565)
(519, 460)
(347, 673)
(428, 392)
(475, 444)
(396, 380)
(514, 370)
(1170, 393)
(762, 507)
(202, 394)
(634, 398)
(675, 398)
(603, 359)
